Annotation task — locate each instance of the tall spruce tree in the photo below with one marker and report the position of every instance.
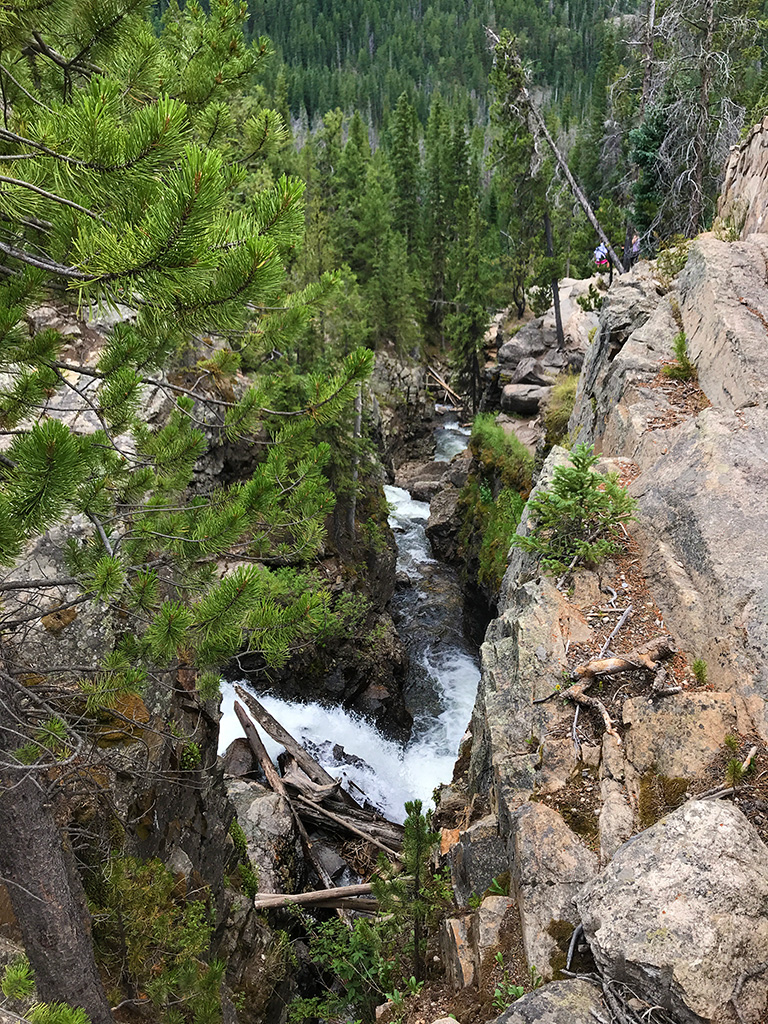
(121, 187)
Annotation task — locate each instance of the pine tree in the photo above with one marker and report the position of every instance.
(413, 896)
(406, 173)
(120, 185)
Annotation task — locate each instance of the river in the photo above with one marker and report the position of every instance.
(440, 686)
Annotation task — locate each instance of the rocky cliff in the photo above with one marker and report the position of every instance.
(615, 817)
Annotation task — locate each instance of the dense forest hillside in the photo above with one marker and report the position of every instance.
(363, 54)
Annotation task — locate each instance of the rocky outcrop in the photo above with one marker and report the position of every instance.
(402, 410)
(743, 202)
(679, 915)
(549, 865)
(529, 357)
(562, 1002)
(675, 918)
(702, 495)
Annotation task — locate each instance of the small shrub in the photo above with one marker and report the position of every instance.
(577, 519)
(682, 368)
(699, 669)
(673, 255)
(18, 981)
(539, 299)
(592, 301)
(501, 453)
(148, 938)
(190, 757)
(559, 408)
(731, 743)
(734, 773)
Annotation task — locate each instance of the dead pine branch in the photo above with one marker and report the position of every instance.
(645, 657)
(347, 825)
(305, 761)
(576, 693)
(270, 900)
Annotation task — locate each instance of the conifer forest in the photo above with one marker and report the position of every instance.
(242, 205)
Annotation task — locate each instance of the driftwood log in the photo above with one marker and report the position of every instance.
(305, 761)
(276, 783)
(294, 777)
(646, 657)
(279, 899)
(346, 824)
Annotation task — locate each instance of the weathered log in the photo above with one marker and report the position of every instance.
(277, 786)
(385, 831)
(279, 899)
(293, 776)
(260, 751)
(354, 829)
(306, 762)
(448, 390)
(646, 657)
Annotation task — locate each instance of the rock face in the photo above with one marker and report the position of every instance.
(550, 864)
(702, 494)
(679, 914)
(679, 911)
(743, 202)
(403, 408)
(529, 360)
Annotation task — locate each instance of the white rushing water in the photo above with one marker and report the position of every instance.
(450, 439)
(444, 681)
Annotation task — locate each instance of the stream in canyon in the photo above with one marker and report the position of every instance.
(428, 610)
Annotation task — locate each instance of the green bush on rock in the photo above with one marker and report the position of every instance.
(492, 501)
(577, 520)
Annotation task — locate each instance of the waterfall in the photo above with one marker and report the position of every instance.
(440, 689)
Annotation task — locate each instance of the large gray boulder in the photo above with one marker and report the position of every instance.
(680, 914)
(561, 1002)
(550, 865)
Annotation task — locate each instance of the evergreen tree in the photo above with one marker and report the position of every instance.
(119, 187)
(467, 321)
(406, 173)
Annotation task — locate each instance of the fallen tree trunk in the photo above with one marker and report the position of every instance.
(294, 777)
(386, 832)
(354, 829)
(305, 761)
(646, 657)
(277, 786)
(279, 899)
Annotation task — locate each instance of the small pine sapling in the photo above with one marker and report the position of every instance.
(699, 669)
(577, 520)
(682, 368)
(734, 773)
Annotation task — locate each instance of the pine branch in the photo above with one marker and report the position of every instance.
(62, 581)
(43, 264)
(29, 95)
